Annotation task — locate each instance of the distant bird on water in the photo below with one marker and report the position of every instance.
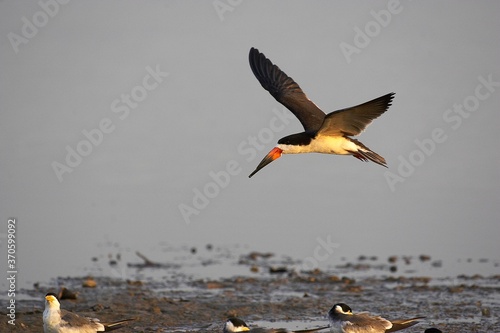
(324, 133)
(56, 320)
(342, 320)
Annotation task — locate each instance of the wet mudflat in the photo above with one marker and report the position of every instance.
(268, 296)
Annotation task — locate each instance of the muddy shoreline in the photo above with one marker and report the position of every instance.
(462, 304)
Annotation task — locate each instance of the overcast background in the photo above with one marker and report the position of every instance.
(65, 69)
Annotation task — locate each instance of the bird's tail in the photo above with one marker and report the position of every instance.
(400, 324)
(117, 324)
(364, 154)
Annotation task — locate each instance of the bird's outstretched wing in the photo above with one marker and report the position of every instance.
(353, 120)
(285, 90)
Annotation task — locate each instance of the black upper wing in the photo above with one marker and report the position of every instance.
(285, 90)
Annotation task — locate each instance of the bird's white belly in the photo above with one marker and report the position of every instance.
(336, 327)
(324, 145)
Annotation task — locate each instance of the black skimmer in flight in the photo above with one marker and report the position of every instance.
(56, 320)
(342, 320)
(324, 133)
(233, 325)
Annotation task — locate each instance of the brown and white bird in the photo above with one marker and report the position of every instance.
(233, 325)
(342, 320)
(323, 133)
(56, 320)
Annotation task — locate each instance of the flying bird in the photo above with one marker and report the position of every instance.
(56, 320)
(323, 133)
(233, 325)
(342, 320)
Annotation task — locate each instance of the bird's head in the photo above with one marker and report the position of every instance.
(51, 301)
(234, 324)
(340, 308)
(274, 154)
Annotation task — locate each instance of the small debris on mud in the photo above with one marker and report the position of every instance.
(271, 291)
(89, 283)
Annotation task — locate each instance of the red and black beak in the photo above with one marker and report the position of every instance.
(274, 154)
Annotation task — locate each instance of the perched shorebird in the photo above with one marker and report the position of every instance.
(56, 320)
(324, 133)
(234, 324)
(342, 320)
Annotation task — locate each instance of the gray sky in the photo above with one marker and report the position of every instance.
(165, 92)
